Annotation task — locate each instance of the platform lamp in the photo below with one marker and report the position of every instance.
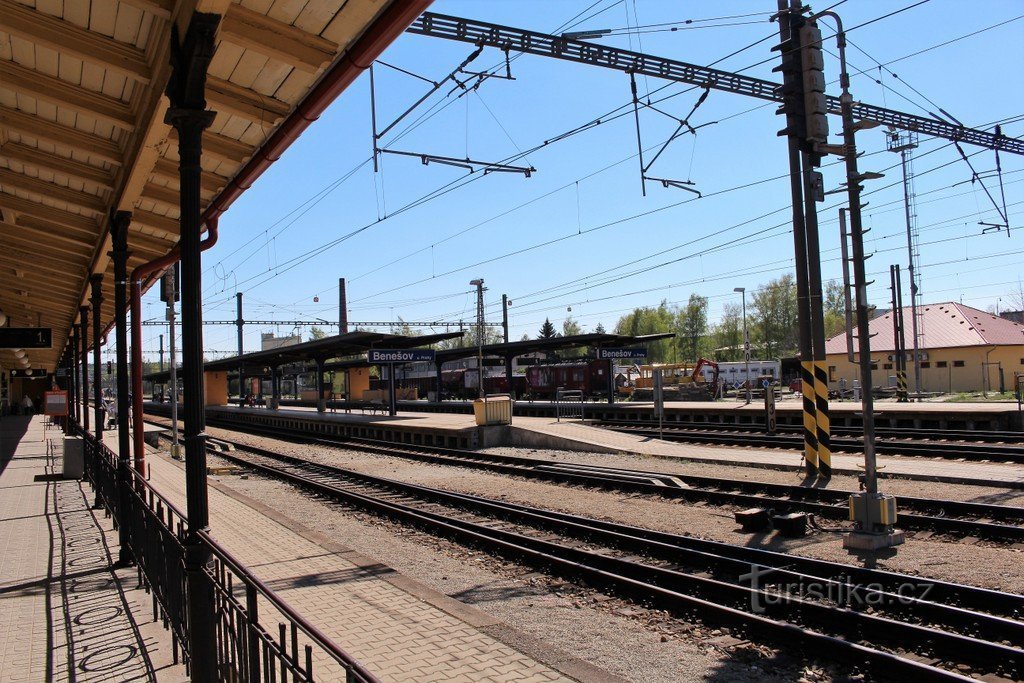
(3, 318)
(746, 339)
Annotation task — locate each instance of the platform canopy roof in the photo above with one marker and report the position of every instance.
(338, 346)
(82, 129)
(575, 341)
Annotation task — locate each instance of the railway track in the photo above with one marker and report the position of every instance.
(893, 625)
(998, 523)
(731, 436)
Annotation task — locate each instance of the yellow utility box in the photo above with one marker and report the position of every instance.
(493, 410)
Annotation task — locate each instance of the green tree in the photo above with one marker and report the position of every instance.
(647, 320)
(773, 317)
(547, 330)
(693, 327)
(599, 329)
(570, 328)
(834, 307)
(316, 333)
(727, 335)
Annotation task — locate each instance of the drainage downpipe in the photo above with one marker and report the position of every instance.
(143, 272)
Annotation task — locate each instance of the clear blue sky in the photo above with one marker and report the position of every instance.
(552, 240)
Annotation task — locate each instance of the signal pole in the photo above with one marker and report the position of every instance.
(504, 317)
(479, 282)
(874, 512)
(790, 21)
(240, 323)
(816, 132)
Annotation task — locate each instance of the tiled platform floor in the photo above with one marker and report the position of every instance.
(65, 613)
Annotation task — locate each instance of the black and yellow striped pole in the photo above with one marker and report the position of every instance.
(824, 423)
(810, 413)
(800, 175)
(901, 346)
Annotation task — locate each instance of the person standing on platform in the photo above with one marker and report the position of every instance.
(27, 407)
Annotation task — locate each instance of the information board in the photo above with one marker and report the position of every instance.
(55, 403)
(621, 354)
(26, 337)
(28, 372)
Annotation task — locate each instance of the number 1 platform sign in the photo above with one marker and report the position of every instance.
(26, 337)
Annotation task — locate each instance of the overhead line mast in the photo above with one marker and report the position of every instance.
(484, 34)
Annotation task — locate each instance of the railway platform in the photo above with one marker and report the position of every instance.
(399, 629)
(994, 416)
(67, 613)
(458, 430)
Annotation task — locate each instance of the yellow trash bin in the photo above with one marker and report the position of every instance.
(480, 412)
(493, 410)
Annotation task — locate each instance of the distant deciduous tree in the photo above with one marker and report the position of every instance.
(693, 327)
(316, 333)
(727, 335)
(647, 320)
(834, 307)
(774, 317)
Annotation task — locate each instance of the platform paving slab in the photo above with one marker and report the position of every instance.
(398, 629)
(66, 614)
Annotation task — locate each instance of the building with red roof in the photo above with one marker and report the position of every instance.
(962, 349)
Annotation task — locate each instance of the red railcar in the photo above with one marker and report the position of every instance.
(590, 377)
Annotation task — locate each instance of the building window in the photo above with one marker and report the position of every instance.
(831, 373)
(941, 364)
(926, 364)
(887, 366)
(874, 366)
(958, 364)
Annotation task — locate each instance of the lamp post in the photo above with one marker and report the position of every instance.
(746, 339)
(479, 284)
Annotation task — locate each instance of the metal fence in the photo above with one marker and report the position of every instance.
(245, 610)
(568, 404)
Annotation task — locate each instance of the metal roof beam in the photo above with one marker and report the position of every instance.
(211, 182)
(34, 126)
(84, 200)
(220, 146)
(156, 221)
(65, 219)
(66, 38)
(234, 99)
(277, 40)
(31, 156)
(59, 92)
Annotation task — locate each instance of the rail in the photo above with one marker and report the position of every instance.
(244, 607)
(569, 404)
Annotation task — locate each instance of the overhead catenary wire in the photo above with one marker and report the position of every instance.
(919, 3)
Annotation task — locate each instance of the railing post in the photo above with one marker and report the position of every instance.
(252, 639)
(190, 57)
